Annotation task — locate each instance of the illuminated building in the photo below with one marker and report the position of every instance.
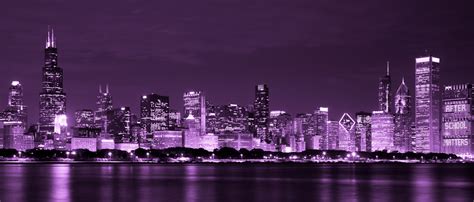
(296, 139)
(61, 135)
(230, 118)
(154, 112)
(321, 120)
(84, 118)
(236, 140)
(209, 142)
(363, 131)
(192, 135)
(126, 146)
(12, 133)
(104, 105)
(333, 135)
(346, 136)
(427, 104)
(174, 120)
(403, 133)
(120, 122)
(84, 143)
(279, 127)
(262, 112)
(457, 121)
(385, 92)
(16, 110)
(105, 143)
(52, 96)
(166, 139)
(195, 104)
(383, 127)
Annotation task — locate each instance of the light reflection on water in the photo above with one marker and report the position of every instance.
(236, 182)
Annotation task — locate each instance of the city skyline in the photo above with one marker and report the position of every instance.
(306, 55)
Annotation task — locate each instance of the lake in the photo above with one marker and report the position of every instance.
(236, 182)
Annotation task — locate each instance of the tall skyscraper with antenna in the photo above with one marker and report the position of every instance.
(384, 91)
(52, 96)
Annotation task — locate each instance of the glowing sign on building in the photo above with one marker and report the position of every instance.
(346, 122)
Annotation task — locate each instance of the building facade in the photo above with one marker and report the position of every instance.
(402, 140)
(457, 119)
(262, 112)
(154, 112)
(385, 92)
(363, 131)
(52, 96)
(383, 128)
(427, 104)
(195, 104)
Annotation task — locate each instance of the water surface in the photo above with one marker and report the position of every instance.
(236, 182)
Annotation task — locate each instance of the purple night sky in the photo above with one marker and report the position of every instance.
(310, 53)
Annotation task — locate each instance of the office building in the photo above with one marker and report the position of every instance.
(457, 119)
(427, 104)
(383, 128)
(363, 131)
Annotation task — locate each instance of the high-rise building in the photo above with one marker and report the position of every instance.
(346, 136)
(191, 135)
(154, 112)
(230, 118)
(385, 91)
(61, 134)
(333, 135)
(457, 122)
(427, 104)
(363, 131)
(104, 105)
(12, 133)
(120, 122)
(52, 96)
(321, 117)
(84, 126)
(383, 127)
(16, 103)
(402, 136)
(84, 118)
(195, 104)
(262, 112)
(174, 120)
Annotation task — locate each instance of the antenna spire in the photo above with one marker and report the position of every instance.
(107, 88)
(100, 89)
(388, 68)
(53, 40)
(403, 80)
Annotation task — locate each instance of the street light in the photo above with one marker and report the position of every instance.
(19, 154)
(67, 154)
(110, 154)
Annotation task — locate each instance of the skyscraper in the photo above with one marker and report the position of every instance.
(403, 133)
(363, 131)
(120, 123)
(154, 112)
(383, 128)
(104, 104)
(195, 104)
(321, 117)
(262, 112)
(52, 96)
(346, 136)
(458, 111)
(385, 91)
(427, 104)
(16, 110)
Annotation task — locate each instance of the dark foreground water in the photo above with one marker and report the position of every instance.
(237, 182)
